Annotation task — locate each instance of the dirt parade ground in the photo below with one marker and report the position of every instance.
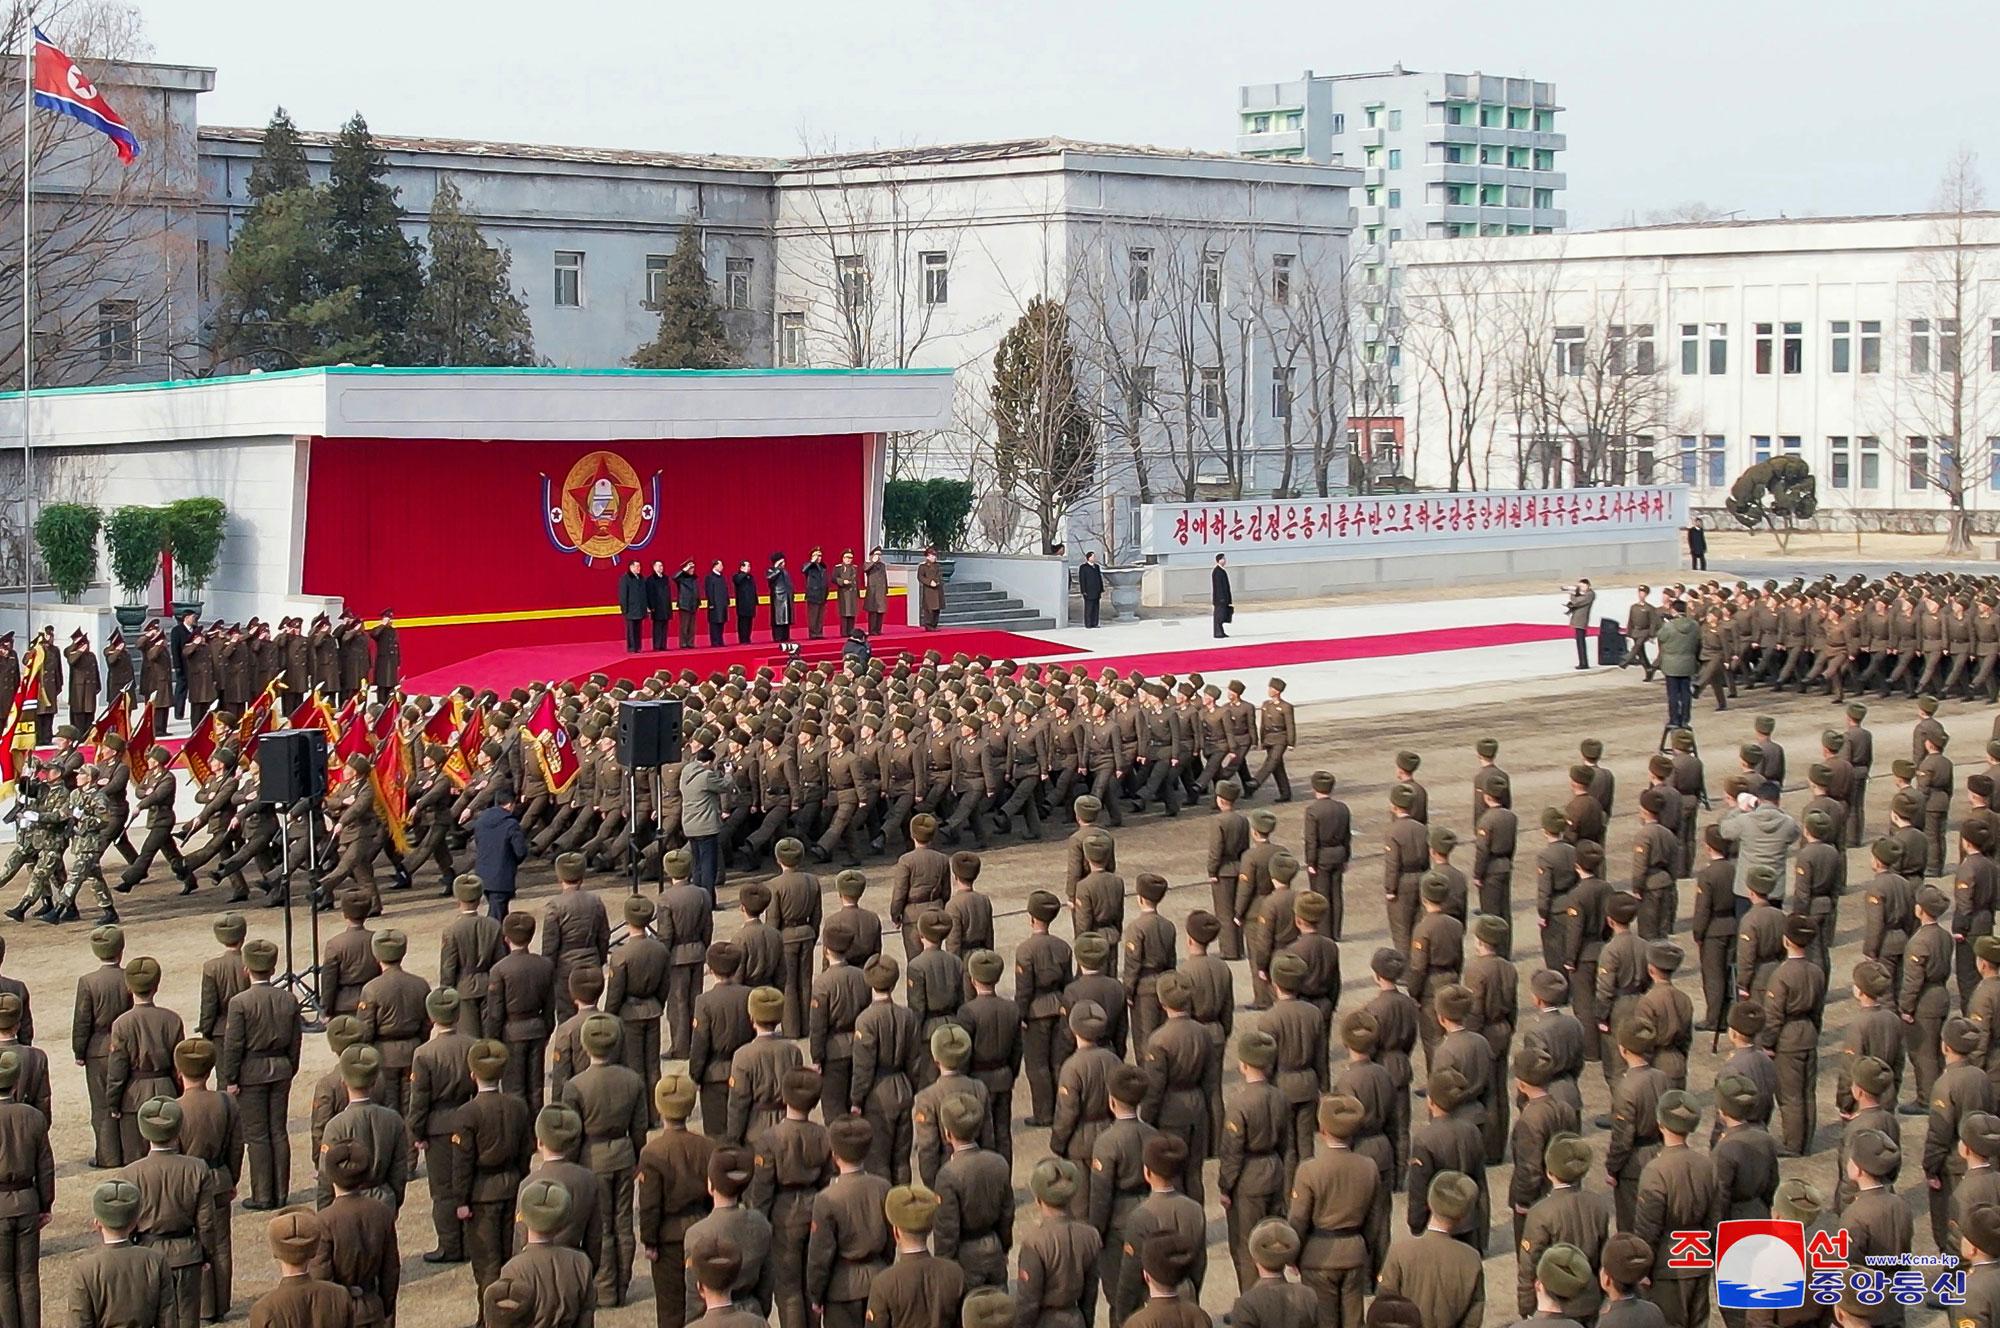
(1538, 725)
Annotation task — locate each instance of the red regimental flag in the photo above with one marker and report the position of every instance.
(258, 720)
(391, 778)
(553, 747)
(463, 749)
(198, 752)
(141, 741)
(117, 718)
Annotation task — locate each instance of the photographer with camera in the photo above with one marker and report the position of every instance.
(702, 786)
(1582, 599)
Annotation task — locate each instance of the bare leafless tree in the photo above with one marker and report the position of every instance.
(1457, 346)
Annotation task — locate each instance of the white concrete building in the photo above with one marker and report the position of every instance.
(1868, 346)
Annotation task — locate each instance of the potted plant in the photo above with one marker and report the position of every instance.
(947, 514)
(1124, 584)
(66, 536)
(194, 534)
(136, 536)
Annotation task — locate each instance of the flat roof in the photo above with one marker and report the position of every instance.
(580, 405)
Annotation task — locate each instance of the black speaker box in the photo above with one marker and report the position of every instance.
(649, 733)
(291, 765)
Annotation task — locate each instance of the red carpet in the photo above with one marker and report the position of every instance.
(1224, 657)
(503, 670)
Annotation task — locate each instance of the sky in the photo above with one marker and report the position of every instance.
(1765, 106)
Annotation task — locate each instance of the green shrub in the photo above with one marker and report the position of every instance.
(947, 513)
(66, 535)
(135, 535)
(194, 533)
(902, 512)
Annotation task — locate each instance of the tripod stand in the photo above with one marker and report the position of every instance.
(304, 985)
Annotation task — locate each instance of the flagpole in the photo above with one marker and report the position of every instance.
(28, 322)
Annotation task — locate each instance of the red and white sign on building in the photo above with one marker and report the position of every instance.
(1333, 527)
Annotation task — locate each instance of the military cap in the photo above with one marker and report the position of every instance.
(951, 1045)
(639, 910)
(1581, 774)
(1682, 740)
(142, 975)
(934, 924)
(1654, 800)
(1152, 887)
(1263, 820)
(1175, 990)
(1735, 1097)
(911, 1208)
(1933, 901)
(1257, 1049)
(1054, 1181)
(1762, 879)
(1927, 704)
(390, 945)
(1637, 1036)
(518, 927)
(1043, 906)
(1273, 1244)
(1203, 927)
(1987, 948)
(1310, 906)
(799, 1088)
(1873, 1076)
(1360, 1031)
(601, 1034)
(1126, 1083)
(569, 868)
(1434, 887)
(1087, 808)
(355, 906)
(959, 1116)
(1564, 1272)
(107, 943)
(10, 1069)
(160, 1120)
(881, 972)
(1980, 1132)
(789, 851)
(1981, 1226)
(1402, 797)
(674, 1095)
(1857, 712)
(1322, 781)
(1549, 985)
(1567, 1157)
(678, 864)
(985, 967)
(1553, 821)
(1875, 1153)
(1763, 725)
(1454, 1003)
(1097, 848)
(360, 1065)
(1590, 858)
(544, 1205)
(850, 1136)
(1903, 768)
(1092, 949)
(485, 1059)
(294, 1236)
(1747, 1018)
(194, 1058)
(260, 957)
(1797, 1200)
(349, 1163)
(1800, 930)
(1982, 784)
(754, 898)
(767, 1005)
(1621, 906)
(1533, 1064)
(850, 884)
(988, 1307)
(1627, 1259)
(1229, 790)
(230, 928)
(1288, 971)
(1408, 762)
(1447, 1087)
(1751, 755)
(1961, 1036)
(467, 888)
(1887, 852)
(1340, 1115)
(1821, 824)
(1498, 787)
(1487, 748)
(1388, 1310)
(1388, 964)
(1086, 1019)
(586, 984)
(342, 1032)
(1452, 1195)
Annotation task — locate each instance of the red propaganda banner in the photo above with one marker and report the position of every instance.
(141, 741)
(464, 747)
(117, 718)
(391, 778)
(553, 747)
(18, 739)
(198, 752)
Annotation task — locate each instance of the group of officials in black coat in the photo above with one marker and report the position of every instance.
(655, 596)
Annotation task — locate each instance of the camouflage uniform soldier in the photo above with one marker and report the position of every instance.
(45, 838)
(91, 826)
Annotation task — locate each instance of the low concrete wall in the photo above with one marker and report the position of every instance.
(1176, 585)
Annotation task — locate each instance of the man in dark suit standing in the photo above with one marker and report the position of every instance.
(1090, 584)
(177, 639)
(498, 849)
(745, 588)
(715, 590)
(1698, 546)
(687, 598)
(632, 604)
(659, 602)
(1220, 600)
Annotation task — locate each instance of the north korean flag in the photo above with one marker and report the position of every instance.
(61, 87)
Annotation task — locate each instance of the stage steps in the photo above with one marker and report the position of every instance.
(981, 604)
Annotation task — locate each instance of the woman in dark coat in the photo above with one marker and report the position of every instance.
(778, 582)
(816, 590)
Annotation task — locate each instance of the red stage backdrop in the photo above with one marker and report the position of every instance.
(439, 528)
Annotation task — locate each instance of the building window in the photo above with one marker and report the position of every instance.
(1371, 156)
(1297, 120)
(656, 279)
(569, 279)
(1371, 117)
(1395, 159)
(1718, 348)
(1371, 195)
(1714, 453)
(1993, 462)
(1517, 195)
(1788, 444)
(1544, 199)
(1260, 124)
(1629, 349)
(791, 339)
(1211, 278)
(1339, 123)
(937, 277)
(1842, 349)
(1517, 159)
(1840, 462)
(1702, 460)
(1545, 122)
(1455, 112)
(1396, 201)
(1139, 390)
(1493, 195)
(1919, 450)
(1395, 232)
(1281, 278)
(1569, 352)
(1871, 347)
(1761, 356)
(1993, 355)
(1517, 117)
(1371, 235)
(118, 331)
(1281, 391)
(852, 275)
(1690, 352)
(1489, 117)
(1139, 275)
(1947, 345)
(1545, 160)
(1211, 394)
(736, 282)
(1690, 458)
(1871, 463)
(1920, 345)
(1760, 448)
(1395, 119)
(1491, 155)
(1794, 348)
